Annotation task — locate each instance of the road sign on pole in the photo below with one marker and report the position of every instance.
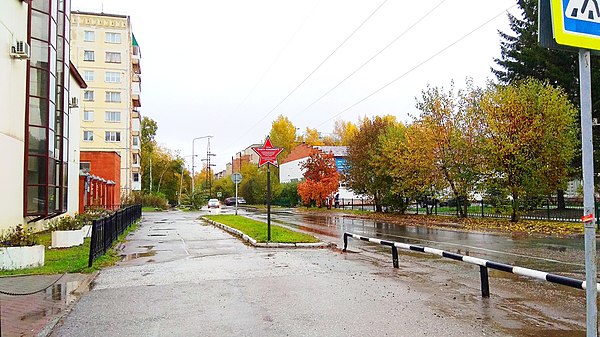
(268, 155)
(576, 23)
(236, 178)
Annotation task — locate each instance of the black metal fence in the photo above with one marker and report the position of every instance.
(546, 210)
(363, 204)
(106, 230)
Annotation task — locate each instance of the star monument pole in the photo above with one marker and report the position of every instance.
(268, 155)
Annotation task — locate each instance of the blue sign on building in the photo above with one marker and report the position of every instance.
(340, 163)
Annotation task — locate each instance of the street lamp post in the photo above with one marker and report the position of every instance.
(193, 176)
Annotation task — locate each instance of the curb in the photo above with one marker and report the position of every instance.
(253, 242)
(82, 288)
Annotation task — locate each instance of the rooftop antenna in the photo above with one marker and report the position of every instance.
(102, 11)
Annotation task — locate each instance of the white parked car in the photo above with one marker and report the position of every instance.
(214, 203)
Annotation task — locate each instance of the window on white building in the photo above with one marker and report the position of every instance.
(89, 36)
(113, 38)
(112, 136)
(112, 77)
(136, 177)
(88, 115)
(136, 159)
(88, 75)
(88, 95)
(88, 136)
(113, 96)
(88, 55)
(135, 141)
(112, 116)
(112, 57)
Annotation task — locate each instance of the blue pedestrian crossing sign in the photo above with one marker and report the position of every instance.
(576, 23)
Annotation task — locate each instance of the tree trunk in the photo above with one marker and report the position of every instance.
(560, 194)
(514, 216)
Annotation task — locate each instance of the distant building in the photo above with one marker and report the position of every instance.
(290, 168)
(100, 179)
(40, 166)
(107, 54)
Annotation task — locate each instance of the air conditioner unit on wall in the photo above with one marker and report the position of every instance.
(74, 103)
(20, 50)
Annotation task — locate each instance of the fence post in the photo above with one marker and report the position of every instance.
(352, 205)
(548, 207)
(417, 208)
(485, 284)
(436, 203)
(395, 257)
(482, 209)
(362, 204)
(93, 244)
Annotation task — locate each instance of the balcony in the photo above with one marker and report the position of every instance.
(135, 125)
(136, 114)
(135, 94)
(135, 57)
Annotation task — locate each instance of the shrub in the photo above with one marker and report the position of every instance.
(195, 200)
(65, 223)
(156, 200)
(18, 236)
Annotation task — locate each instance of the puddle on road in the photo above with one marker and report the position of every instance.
(157, 234)
(19, 320)
(129, 257)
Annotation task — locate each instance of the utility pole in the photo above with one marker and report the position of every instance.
(193, 175)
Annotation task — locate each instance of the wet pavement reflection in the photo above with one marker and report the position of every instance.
(518, 305)
(27, 315)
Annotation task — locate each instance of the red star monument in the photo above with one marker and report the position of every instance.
(267, 153)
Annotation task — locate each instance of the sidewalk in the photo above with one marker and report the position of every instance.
(186, 278)
(36, 314)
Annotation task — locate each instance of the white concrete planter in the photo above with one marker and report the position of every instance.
(64, 239)
(87, 231)
(21, 257)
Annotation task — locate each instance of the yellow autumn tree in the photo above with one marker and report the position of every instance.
(531, 139)
(452, 124)
(283, 134)
(343, 132)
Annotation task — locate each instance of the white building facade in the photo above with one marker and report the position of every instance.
(40, 160)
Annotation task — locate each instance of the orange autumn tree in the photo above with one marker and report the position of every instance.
(321, 178)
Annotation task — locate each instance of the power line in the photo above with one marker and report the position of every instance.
(374, 56)
(418, 65)
(319, 66)
(262, 77)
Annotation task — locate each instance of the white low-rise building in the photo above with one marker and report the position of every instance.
(290, 168)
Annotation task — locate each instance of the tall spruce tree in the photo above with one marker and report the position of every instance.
(522, 57)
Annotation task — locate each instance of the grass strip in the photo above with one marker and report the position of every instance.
(258, 229)
(72, 259)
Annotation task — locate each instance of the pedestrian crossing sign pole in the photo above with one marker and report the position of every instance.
(576, 24)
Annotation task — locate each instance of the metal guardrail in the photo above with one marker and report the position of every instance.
(106, 230)
(483, 264)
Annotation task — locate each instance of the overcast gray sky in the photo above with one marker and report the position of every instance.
(223, 68)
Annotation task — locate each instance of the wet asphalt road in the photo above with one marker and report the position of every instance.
(174, 244)
(183, 278)
(522, 306)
